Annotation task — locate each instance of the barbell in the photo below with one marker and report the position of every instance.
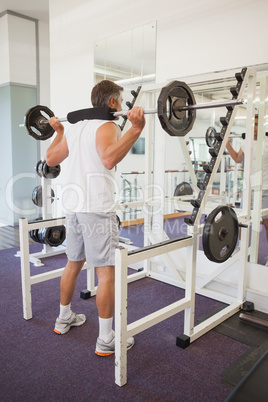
(211, 136)
(176, 110)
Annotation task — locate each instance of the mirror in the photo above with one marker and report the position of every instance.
(128, 57)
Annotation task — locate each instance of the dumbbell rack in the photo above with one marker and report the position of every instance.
(46, 211)
(47, 250)
(154, 248)
(27, 280)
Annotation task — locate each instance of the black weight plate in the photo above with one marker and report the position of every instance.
(32, 234)
(183, 188)
(210, 137)
(171, 98)
(220, 234)
(35, 235)
(40, 234)
(39, 167)
(34, 122)
(37, 196)
(55, 235)
(50, 172)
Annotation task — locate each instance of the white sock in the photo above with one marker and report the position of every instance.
(65, 312)
(105, 329)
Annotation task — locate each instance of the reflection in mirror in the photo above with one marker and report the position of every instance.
(216, 87)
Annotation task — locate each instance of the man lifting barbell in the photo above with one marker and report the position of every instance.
(239, 157)
(92, 148)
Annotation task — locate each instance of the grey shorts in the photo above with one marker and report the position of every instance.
(92, 236)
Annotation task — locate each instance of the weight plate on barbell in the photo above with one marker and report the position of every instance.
(220, 234)
(172, 97)
(211, 137)
(35, 122)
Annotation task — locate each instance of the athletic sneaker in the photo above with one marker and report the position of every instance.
(107, 349)
(64, 326)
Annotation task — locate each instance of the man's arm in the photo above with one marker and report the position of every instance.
(236, 156)
(58, 150)
(112, 151)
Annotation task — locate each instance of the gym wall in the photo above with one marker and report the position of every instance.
(192, 38)
(21, 71)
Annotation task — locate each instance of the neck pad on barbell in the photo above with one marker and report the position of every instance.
(99, 113)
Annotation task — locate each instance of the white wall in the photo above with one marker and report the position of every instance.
(192, 37)
(22, 49)
(204, 36)
(44, 62)
(44, 73)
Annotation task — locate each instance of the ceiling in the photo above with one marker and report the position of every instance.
(37, 9)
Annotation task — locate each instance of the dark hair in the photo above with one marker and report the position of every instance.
(103, 92)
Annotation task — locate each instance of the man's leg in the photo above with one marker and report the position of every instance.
(67, 318)
(105, 292)
(68, 281)
(105, 304)
(105, 301)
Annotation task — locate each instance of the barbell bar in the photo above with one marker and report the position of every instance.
(207, 105)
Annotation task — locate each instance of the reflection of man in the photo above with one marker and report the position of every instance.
(92, 149)
(239, 157)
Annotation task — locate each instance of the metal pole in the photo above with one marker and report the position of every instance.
(210, 105)
(207, 105)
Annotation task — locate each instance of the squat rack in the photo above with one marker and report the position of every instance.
(155, 246)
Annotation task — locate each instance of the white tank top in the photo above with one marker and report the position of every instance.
(87, 185)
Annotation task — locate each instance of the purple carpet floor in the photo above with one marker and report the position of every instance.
(38, 365)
